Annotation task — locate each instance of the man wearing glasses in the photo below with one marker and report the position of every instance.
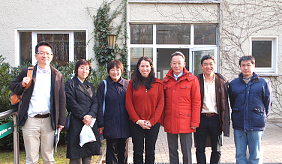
(43, 105)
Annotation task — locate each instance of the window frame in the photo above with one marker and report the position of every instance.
(34, 42)
(267, 71)
(155, 46)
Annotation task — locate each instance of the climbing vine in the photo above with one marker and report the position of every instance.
(103, 26)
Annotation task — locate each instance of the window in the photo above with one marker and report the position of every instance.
(141, 34)
(205, 34)
(173, 33)
(265, 50)
(159, 41)
(67, 45)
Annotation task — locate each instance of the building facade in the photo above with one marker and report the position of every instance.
(156, 28)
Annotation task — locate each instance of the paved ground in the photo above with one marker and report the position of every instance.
(271, 145)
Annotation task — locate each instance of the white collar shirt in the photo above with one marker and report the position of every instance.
(177, 76)
(40, 99)
(209, 100)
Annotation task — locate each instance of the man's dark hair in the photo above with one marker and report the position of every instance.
(137, 78)
(43, 43)
(245, 58)
(177, 53)
(206, 57)
(82, 62)
(115, 63)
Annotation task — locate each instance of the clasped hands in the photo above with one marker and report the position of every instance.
(145, 124)
(87, 120)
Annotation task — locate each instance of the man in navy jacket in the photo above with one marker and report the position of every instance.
(250, 100)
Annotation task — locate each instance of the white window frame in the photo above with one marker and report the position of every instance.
(34, 42)
(267, 71)
(155, 46)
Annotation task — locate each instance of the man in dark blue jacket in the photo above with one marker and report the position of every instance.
(250, 100)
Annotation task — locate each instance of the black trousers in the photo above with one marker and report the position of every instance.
(209, 125)
(138, 135)
(117, 151)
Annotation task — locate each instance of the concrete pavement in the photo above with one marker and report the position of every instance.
(271, 146)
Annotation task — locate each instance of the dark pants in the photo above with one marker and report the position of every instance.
(117, 151)
(138, 135)
(83, 160)
(209, 125)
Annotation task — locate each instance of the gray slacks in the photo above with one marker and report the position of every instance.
(186, 144)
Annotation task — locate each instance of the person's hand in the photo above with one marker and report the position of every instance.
(148, 123)
(101, 129)
(143, 124)
(193, 127)
(25, 81)
(87, 120)
(60, 126)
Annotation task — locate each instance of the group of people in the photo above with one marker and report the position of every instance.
(182, 103)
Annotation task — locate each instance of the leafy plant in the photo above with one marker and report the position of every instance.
(103, 27)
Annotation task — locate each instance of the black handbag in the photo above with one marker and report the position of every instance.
(67, 124)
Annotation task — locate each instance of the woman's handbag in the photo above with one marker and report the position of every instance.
(67, 124)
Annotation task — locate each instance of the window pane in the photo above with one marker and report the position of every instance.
(205, 34)
(141, 34)
(25, 47)
(261, 50)
(79, 45)
(136, 54)
(173, 33)
(60, 43)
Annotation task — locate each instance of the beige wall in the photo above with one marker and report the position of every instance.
(173, 13)
(45, 15)
(242, 20)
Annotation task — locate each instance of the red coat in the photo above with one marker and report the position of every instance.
(145, 104)
(182, 103)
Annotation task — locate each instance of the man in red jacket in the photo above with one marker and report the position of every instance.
(182, 108)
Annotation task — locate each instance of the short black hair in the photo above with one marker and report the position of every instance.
(115, 63)
(206, 57)
(43, 43)
(82, 62)
(245, 58)
(177, 53)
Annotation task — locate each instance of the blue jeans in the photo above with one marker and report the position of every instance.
(252, 139)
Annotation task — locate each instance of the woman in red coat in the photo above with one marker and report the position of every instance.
(144, 104)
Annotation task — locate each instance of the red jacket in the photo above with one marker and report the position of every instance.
(183, 103)
(145, 104)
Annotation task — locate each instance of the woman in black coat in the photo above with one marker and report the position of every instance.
(82, 103)
(114, 120)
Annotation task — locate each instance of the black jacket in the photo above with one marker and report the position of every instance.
(115, 119)
(81, 101)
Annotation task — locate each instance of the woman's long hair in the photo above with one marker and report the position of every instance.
(137, 78)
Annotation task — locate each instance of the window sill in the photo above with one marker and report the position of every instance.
(268, 74)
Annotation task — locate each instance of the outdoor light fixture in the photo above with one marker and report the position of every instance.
(111, 41)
